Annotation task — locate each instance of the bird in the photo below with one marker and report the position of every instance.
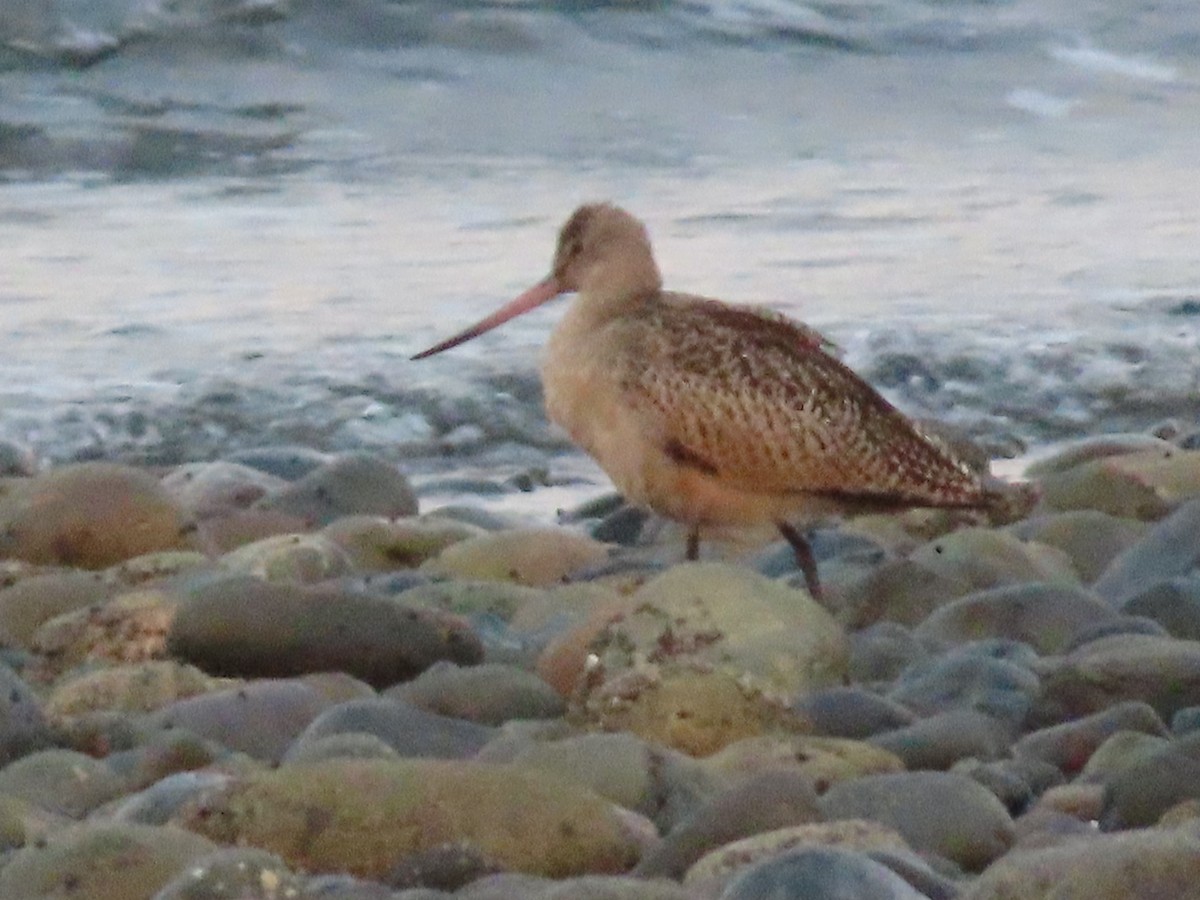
(713, 414)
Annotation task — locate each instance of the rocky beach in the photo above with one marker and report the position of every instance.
(281, 674)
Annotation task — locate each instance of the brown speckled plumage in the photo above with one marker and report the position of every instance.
(715, 414)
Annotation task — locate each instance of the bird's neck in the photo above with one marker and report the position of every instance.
(609, 291)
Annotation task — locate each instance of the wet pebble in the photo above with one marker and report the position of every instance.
(1137, 795)
(355, 484)
(1173, 603)
(940, 740)
(1167, 549)
(820, 872)
(247, 627)
(23, 726)
(763, 802)
(538, 557)
(1069, 745)
(1090, 538)
(407, 729)
(1045, 616)
(489, 694)
(965, 679)
(942, 813)
(260, 718)
(851, 712)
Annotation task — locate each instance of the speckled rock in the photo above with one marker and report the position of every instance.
(207, 489)
(31, 601)
(303, 558)
(411, 731)
(537, 557)
(489, 694)
(664, 785)
(247, 627)
(1163, 672)
(851, 712)
(1090, 538)
(61, 781)
(135, 688)
(820, 872)
(90, 516)
(235, 874)
(986, 558)
(362, 816)
(101, 862)
(377, 544)
(160, 566)
(763, 802)
(129, 628)
(23, 727)
(824, 760)
(1144, 865)
(1070, 745)
(1045, 616)
(717, 867)
(1167, 549)
(936, 812)
(701, 656)
(355, 484)
(260, 718)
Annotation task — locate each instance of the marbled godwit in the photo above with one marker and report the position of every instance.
(712, 414)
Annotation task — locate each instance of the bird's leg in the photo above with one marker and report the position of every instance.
(693, 543)
(804, 558)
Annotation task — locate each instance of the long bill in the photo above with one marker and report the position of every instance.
(540, 293)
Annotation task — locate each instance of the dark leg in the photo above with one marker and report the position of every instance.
(693, 543)
(804, 558)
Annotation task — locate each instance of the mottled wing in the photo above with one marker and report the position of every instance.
(754, 400)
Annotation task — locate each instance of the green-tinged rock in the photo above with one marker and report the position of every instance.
(101, 862)
(91, 516)
(661, 784)
(61, 781)
(826, 761)
(537, 557)
(986, 558)
(134, 688)
(897, 590)
(1141, 865)
(236, 874)
(303, 558)
(1090, 538)
(31, 601)
(1142, 486)
(1045, 616)
(362, 816)
(376, 544)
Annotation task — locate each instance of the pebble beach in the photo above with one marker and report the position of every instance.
(279, 675)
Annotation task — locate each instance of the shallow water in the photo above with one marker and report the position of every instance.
(226, 224)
